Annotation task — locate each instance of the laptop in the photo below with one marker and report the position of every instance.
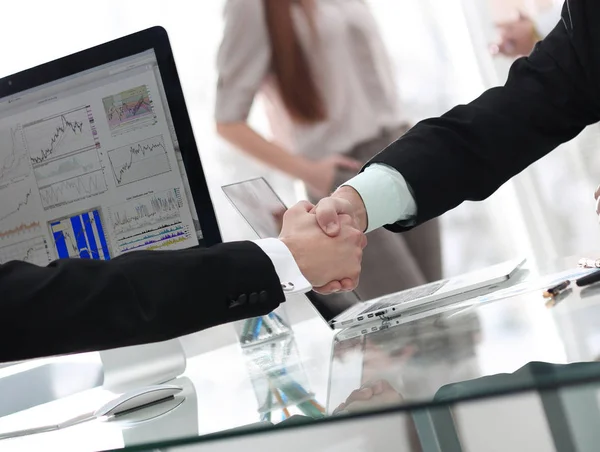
(97, 159)
(259, 205)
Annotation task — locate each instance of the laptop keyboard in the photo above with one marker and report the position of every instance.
(405, 296)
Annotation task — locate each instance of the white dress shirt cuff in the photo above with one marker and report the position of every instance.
(292, 279)
(386, 195)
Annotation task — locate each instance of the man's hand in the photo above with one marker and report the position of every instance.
(329, 264)
(517, 38)
(345, 201)
(319, 175)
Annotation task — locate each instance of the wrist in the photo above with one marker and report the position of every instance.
(360, 212)
(294, 252)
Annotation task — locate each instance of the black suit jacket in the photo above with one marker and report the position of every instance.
(77, 305)
(549, 98)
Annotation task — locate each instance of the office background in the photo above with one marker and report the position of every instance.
(440, 52)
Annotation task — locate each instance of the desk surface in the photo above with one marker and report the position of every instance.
(432, 360)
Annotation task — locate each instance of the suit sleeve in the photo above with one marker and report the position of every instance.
(548, 99)
(77, 305)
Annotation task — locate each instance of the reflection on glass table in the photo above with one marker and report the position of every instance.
(422, 371)
(538, 420)
(479, 348)
(280, 381)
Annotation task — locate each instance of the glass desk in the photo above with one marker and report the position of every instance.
(493, 363)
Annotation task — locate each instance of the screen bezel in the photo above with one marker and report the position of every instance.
(156, 39)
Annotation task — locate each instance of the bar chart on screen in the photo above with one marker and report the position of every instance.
(82, 235)
(150, 222)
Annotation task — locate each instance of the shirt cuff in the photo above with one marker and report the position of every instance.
(291, 278)
(385, 194)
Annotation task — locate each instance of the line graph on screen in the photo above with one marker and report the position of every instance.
(138, 161)
(150, 222)
(129, 110)
(14, 163)
(61, 135)
(68, 167)
(34, 251)
(73, 189)
(18, 215)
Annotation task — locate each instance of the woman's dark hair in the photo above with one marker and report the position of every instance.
(289, 64)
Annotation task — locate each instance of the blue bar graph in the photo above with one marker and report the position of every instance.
(59, 241)
(78, 236)
(101, 234)
(89, 232)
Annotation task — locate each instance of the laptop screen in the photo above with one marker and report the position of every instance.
(90, 167)
(258, 204)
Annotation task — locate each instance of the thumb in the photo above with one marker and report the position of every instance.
(328, 211)
(347, 162)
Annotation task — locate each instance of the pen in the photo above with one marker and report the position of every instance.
(265, 323)
(257, 328)
(278, 397)
(558, 298)
(270, 324)
(588, 279)
(553, 291)
(246, 330)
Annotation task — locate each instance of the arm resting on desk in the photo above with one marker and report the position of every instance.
(77, 305)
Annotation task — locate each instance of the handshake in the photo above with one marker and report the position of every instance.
(327, 240)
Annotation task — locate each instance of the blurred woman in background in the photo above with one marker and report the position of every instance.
(332, 104)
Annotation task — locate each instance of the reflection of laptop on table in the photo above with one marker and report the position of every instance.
(258, 203)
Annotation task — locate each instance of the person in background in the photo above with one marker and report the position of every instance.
(332, 105)
(518, 37)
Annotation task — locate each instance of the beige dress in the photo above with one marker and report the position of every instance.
(354, 75)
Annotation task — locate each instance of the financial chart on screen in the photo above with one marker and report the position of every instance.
(92, 170)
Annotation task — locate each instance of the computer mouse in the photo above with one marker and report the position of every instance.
(138, 399)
